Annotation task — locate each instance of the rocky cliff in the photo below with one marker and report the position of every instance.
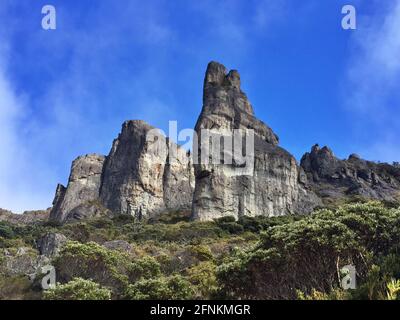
(138, 177)
(272, 184)
(333, 178)
(75, 201)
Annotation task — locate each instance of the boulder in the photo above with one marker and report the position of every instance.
(51, 244)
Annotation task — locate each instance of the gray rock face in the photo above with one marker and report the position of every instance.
(25, 261)
(274, 186)
(143, 176)
(332, 178)
(83, 187)
(138, 178)
(51, 244)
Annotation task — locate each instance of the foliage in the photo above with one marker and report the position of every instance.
(204, 279)
(147, 267)
(283, 257)
(174, 287)
(393, 289)
(6, 231)
(78, 289)
(305, 254)
(16, 287)
(92, 261)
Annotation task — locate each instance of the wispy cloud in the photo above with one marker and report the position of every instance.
(19, 170)
(81, 104)
(371, 92)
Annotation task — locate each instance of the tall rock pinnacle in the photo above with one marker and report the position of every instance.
(273, 187)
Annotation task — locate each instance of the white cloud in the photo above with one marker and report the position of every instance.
(41, 132)
(375, 66)
(371, 92)
(17, 170)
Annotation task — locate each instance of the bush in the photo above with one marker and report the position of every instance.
(305, 254)
(202, 252)
(6, 231)
(91, 261)
(203, 277)
(146, 267)
(163, 288)
(16, 288)
(182, 232)
(78, 289)
(229, 225)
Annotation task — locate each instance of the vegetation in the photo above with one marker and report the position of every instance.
(78, 289)
(290, 257)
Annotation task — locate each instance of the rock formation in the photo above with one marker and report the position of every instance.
(274, 185)
(51, 244)
(146, 174)
(83, 188)
(136, 178)
(332, 178)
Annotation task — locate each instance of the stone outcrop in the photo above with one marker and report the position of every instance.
(51, 244)
(137, 178)
(25, 261)
(74, 201)
(332, 178)
(274, 185)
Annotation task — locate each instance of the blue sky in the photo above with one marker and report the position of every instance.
(66, 92)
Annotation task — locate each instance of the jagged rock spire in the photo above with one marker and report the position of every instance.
(272, 187)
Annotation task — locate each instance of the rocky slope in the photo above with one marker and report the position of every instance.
(332, 178)
(28, 217)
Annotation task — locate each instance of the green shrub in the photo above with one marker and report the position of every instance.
(78, 289)
(6, 231)
(16, 287)
(91, 261)
(182, 232)
(146, 267)
(202, 252)
(203, 277)
(163, 288)
(305, 253)
(226, 219)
